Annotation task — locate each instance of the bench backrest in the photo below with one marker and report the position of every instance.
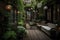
(51, 25)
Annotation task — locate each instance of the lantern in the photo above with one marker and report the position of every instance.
(8, 7)
(45, 7)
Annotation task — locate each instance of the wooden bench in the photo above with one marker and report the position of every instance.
(47, 29)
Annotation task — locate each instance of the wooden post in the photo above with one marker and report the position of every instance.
(46, 15)
(56, 12)
(52, 13)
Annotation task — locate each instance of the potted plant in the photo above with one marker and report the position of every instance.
(21, 32)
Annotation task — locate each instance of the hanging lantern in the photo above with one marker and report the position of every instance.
(45, 7)
(8, 7)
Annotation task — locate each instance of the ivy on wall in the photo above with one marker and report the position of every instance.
(21, 11)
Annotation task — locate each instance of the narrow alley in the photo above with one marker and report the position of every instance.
(29, 19)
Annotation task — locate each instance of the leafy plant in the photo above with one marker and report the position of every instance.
(21, 31)
(21, 23)
(9, 35)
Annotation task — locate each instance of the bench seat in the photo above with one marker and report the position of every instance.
(47, 29)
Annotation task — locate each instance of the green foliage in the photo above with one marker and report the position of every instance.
(9, 35)
(21, 23)
(33, 3)
(21, 31)
(20, 5)
(21, 9)
(38, 0)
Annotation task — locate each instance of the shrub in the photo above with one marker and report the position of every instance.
(9, 35)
